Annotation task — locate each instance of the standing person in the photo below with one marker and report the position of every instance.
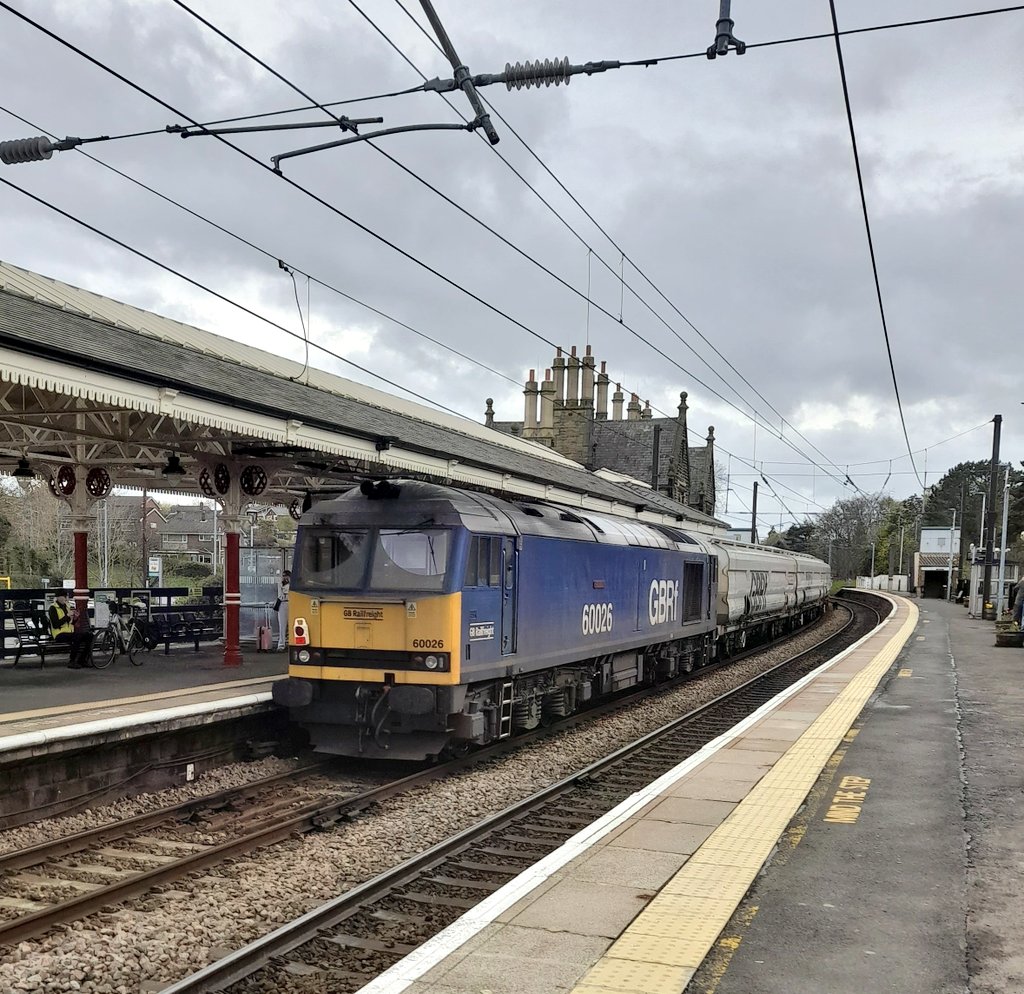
(282, 610)
(61, 619)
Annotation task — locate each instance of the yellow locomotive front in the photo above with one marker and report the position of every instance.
(375, 613)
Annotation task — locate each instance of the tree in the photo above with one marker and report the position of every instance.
(847, 531)
(800, 538)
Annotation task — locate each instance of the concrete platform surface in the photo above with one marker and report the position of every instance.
(634, 903)
(29, 688)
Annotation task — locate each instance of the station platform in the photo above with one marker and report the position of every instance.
(73, 738)
(49, 704)
(859, 833)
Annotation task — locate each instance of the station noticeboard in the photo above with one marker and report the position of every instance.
(155, 571)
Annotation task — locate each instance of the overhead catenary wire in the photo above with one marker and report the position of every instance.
(607, 426)
(409, 256)
(275, 257)
(754, 415)
(867, 229)
(650, 62)
(288, 180)
(642, 63)
(307, 342)
(5, 5)
(523, 253)
(225, 299)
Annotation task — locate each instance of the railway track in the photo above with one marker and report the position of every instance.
(67, 879)
(345, 943)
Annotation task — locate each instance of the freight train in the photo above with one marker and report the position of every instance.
(426, 620)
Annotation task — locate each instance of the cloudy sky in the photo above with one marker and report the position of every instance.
(730, 185)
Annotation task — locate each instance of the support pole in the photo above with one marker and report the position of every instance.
(988, 611)
(1002, 546)
(232, 597)
(81, 596)
(753, 517)
(949, 570)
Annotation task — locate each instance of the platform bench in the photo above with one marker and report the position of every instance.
(185, 626)
(34, 639)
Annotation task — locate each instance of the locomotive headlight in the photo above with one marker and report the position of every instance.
(303, 655)
(431, 662)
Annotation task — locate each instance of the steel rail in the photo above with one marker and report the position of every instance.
(307, 818)
(245, 961)
(18, 859)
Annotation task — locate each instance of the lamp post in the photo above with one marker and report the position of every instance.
(872, 566)
(1002, 546)
(949, 570)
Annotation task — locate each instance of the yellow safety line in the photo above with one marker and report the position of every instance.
(123, 701)
(664, 945)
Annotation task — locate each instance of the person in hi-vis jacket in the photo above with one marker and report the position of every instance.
(282, 611)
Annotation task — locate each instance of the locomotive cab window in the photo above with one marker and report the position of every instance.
(483, 565)
(410, 560)
(330, 560)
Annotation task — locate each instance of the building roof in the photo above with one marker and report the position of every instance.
(65, 341)
(628, 447)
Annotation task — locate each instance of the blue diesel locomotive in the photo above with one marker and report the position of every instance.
(427, 619)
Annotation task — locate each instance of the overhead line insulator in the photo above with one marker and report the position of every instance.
(548, 72)
(34, 149)
(25, 150)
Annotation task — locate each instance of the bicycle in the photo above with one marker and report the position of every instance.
(119, 636)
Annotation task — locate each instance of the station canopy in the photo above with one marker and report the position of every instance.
(93, 386)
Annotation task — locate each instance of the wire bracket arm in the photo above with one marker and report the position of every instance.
(276, 159)
(345, 123)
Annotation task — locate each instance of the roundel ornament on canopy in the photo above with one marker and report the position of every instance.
(253, 480)
(206, 482)
(98, 482)
(215, 482)
(64, 482)
(295, 509)
(221, 478)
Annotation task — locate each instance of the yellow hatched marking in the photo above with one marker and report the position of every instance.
(727, 863)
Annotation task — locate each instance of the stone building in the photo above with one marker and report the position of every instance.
(568, 411)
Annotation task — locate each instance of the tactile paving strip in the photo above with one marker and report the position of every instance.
(663, 946)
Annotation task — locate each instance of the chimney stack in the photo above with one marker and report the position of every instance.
(633, 410)
(559, 369)
(617, 399)
(547, 410)
(572, 390)
(602, 393)
(530, 414)
(587, 397)
(647, 414)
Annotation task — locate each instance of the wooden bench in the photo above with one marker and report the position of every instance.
(34, 638)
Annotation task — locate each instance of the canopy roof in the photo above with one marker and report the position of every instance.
(89, 381)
